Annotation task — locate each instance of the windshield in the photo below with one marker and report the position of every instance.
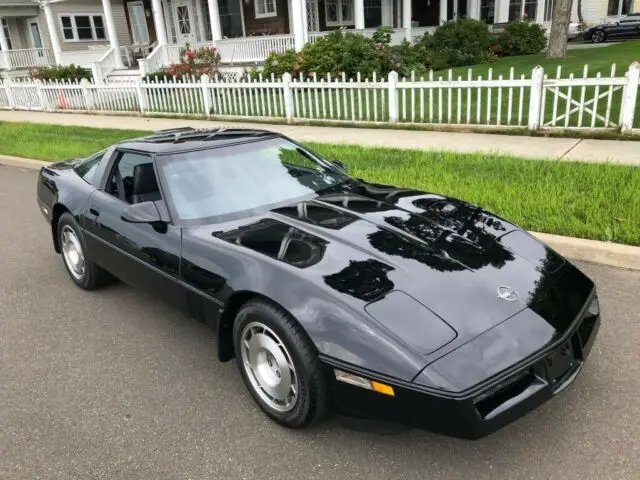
(243, 180)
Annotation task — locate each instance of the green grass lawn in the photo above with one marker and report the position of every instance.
(597, 201)
(598, 59)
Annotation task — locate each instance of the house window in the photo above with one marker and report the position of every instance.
(372, 13)
(515, 10)
(530, 9)
(338, 12)
(7, 34)
(83, 28)
(266, 8)
(619, 7)
(488, 11)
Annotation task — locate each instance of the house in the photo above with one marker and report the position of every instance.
(123, 38)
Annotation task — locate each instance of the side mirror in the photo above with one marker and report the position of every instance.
(340, 165)
(145, 212)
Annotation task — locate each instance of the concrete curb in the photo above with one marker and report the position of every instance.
(604, 253)
(22, 162)
(594, 251)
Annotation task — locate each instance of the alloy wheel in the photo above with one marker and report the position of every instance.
(269, 367)
(72, 252)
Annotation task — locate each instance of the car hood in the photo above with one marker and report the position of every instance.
(363, 242)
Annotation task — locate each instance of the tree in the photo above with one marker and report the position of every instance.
(559, 29)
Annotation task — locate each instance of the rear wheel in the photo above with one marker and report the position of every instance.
(598, 36)
(279, 365)
(81, 269)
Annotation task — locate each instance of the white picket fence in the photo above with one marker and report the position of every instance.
(537, 101)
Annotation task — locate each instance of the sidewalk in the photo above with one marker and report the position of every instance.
(624, 152)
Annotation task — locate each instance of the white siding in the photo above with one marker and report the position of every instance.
(79, 7)
(593, 11)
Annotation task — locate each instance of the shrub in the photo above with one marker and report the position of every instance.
(521, 38)
(463, 42)
(278, 64)
(61, 72)
(339, 52)
(407, 58)
(193, 63)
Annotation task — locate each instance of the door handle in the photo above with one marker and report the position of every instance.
(94, 211)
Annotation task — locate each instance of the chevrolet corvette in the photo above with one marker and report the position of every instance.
(331, 293)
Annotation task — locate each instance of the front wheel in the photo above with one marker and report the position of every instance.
(279, 365)
(85, 274)
(598, 36)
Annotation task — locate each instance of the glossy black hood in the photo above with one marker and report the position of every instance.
(342, 263)
(365, 241)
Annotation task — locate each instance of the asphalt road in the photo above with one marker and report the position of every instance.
(111, 384)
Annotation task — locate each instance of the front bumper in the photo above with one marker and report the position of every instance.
(480, 412)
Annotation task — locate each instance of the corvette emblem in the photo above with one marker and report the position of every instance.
(508, 293)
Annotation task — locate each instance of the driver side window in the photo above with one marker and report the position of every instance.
(133, 179)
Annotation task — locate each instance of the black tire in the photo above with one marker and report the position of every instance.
(598, 36)
(93, 276)
(312, 398)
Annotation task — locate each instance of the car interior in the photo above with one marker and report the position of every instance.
(133, 180)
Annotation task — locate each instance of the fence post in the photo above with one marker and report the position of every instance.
(393, 97)
(140, 92)
(629, 96)
(40, 95)
(88, 100)
(535, 98)
(288, 97)
(7, 88)
(206, 95)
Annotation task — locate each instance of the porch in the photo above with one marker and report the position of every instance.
(247, 31)
(149, 34)
(21, 43)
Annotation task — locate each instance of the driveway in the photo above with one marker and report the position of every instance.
(111, 384)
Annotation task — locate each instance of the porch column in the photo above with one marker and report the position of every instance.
(298, 25)
(111, 31)
(473, 9)
(443, 12)
(358, 11)
(53, 31)
(214, 14)
(305, 23)
(540, 11)
(406, 19)
(4, 45)
(502, 11)
(158, 22)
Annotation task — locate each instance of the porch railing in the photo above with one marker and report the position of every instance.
(253, 49)
(173, 50)
(105, 65)
(154, 61)
(397, 36)
(26, 58)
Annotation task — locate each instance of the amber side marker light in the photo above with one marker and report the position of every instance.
(365, 383)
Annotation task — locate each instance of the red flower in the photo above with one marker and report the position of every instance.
(190, 54)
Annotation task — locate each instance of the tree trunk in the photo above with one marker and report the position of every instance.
(559, 29)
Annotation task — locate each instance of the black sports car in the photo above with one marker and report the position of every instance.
(625, 27)
(329, 291)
